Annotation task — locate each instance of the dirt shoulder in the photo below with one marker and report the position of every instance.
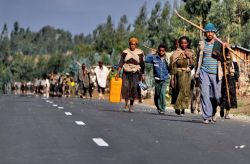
(242, 113)
(243, 106)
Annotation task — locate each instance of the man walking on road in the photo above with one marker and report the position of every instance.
(210, 73)
(84, 82)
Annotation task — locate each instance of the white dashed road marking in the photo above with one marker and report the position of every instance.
(80, 123)
(241, 147)
(60, 107)
(68, 113)
(55, 105)
(100, 142)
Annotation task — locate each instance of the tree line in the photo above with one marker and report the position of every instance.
(25, 54)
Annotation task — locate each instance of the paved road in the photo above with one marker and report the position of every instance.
(35, 131)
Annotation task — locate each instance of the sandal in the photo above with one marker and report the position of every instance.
(131, 110)
(125, 108)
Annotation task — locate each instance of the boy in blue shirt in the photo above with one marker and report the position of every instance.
(160, 71)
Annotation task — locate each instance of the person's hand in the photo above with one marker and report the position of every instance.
(117, 76)
(172, 82)
(196, 75)
(153, 52)
(142, 77)
(238, 85)
(188, 53)
(226, 44)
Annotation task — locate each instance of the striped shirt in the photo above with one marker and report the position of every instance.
(209, 64)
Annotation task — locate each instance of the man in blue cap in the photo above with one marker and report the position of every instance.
(209, 72)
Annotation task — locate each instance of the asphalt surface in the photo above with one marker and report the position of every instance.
(34, 130)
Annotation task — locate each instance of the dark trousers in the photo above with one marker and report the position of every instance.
(160, 95)
(101, 89)
(89, 89)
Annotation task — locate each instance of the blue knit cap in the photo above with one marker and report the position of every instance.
(210, 27)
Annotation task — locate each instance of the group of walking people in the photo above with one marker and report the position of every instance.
(208, 76)
(98, 77)
(215, 74)
(65, 85)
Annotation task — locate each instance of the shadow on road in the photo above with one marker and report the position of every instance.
(179, 120)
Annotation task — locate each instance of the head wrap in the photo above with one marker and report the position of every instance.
(210, 27)
(133, 40)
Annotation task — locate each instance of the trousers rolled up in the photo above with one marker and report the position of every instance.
(160, 95)
(210, 87)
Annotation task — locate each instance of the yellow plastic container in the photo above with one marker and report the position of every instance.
(115, 90)
(72, 84)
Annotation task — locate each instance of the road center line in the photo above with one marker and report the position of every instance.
(80, 123)
(100, 142)
(68, 113)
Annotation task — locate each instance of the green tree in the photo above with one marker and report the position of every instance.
(153, 34)
(199, 8)
(5, 79)
(140, 24)
(16, 39)
(22, 67)
(165, 26)
(230, 16)
(120, 39)
(64, 41)
(41, 66)
(58, 63)
(4, 43)
(103, 37)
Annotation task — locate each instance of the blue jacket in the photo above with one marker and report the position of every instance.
(160, 67)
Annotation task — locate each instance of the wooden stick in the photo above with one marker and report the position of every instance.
(78, 63)
(219, 40)
(225, 75)
(150, 48)
(195, 25)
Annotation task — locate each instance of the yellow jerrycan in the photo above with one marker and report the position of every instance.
(115, 90)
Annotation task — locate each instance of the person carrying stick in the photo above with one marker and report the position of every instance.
(210, 73)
